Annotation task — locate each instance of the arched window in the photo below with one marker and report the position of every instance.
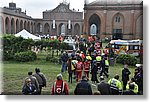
(62, 30)
(118, 22)
(93, 29)
(77, 29)
(1, 25)
(41, 27)
(117, 19)
(17, 26)
(46, 28)
(21, 25)
(94, 24)
(12, 26)
(7, 25)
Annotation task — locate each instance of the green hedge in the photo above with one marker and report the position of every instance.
(25, 56)
(127, 59)
(52, 59)
(7, 56)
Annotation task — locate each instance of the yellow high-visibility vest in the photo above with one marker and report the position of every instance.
(115, 82)
(98, 58)
(88, 58)
(135, 87)
(106, 62)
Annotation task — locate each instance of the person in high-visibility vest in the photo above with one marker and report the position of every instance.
(98, 61)
(106, 65)
(132, 81)
(115, 85)
(73, 66)
(98, 57)
(88, 57)
(130, 90)
(102, 68)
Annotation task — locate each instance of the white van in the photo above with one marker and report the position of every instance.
(72, 46)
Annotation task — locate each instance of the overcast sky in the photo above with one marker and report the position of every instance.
(34, 8)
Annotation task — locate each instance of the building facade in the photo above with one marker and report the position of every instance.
(59, 21)
(116, 19)
(13, 20)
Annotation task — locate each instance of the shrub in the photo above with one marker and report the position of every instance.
(25, 56)
(128, 59)
(7, 56)
(52, 59)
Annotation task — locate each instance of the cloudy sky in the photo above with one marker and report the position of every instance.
(34, 8)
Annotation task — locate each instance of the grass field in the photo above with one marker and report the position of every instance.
(14, 74)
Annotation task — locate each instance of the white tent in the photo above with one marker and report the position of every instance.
(25, 34)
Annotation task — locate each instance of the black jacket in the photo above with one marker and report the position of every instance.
(64, 57)
(104, 88)
(128, 92)
(125, 74)
(83, 88)
(26, 90)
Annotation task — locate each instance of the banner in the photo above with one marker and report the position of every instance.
(69, 24)
(53, 24)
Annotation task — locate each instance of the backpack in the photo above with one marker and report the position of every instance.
(59, 90)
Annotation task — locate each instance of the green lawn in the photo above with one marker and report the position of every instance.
(14, 74)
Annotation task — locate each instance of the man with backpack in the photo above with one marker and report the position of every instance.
(60, 87)
(40, 78)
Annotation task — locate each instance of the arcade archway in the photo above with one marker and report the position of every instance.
(94, 25)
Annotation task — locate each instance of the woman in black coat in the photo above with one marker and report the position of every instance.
(94, 70)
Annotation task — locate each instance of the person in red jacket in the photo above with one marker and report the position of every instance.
(60, 87)
(86, 68)
(79, 68)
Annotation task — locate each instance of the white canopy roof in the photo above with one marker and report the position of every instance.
(25, 34)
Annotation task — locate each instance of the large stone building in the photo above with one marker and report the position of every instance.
(60, 20)
(116, 19)
(13, 20)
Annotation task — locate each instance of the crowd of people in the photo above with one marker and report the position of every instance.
(34, 82)
(83, 66)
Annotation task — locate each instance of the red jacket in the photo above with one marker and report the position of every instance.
(79, 66)
(86, 66)
(60, 87)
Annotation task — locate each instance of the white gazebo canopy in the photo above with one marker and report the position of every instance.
(25, 34)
